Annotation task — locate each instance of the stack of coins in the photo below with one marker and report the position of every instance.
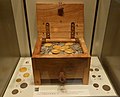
(69, 51)
(56, 49)
(63, 48)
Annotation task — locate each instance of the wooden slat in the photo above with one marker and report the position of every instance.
(37, 47)
(83, 45)
(60, 26)
(64, 34)
(36, 73)
(86, 72)
(50, 68)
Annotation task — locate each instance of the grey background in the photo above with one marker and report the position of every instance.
(110, 55)
(9, 49)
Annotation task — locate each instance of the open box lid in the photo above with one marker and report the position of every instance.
(60, 26)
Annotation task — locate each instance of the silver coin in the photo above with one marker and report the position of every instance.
(15, 91)
(55, 43)
(62, 44)
(106, 87)
(95, 85)
(23, 85)
(62, 52)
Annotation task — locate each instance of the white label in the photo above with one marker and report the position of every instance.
(60, 92)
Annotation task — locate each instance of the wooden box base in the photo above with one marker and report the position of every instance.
(60, 66)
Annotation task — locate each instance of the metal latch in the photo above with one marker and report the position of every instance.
(62, 77)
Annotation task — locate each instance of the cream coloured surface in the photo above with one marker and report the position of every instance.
(54, 90)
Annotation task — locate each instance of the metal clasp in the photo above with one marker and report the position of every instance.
(62, 77)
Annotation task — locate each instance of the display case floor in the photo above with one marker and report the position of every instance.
(21, 83)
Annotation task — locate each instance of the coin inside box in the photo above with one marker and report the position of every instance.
(60, 52)
(61, 48)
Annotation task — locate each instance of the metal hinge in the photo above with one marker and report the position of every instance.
(72, 30)
(47, 30)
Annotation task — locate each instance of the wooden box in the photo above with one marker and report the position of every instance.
(60, 24)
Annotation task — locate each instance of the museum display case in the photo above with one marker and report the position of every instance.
(59, 48)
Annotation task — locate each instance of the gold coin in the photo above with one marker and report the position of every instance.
(26, 75)
(69, 43)
(55, 51)
(64, 47)
(69, 51)
(23, 69)
(56, 47)
(48, 44)
(18, 80)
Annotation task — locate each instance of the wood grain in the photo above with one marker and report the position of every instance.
(36, 73)
(60, 26)
(48, 66)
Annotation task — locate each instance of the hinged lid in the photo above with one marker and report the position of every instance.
(60, 25)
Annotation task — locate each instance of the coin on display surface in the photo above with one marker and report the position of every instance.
(55, 51)
(48, 44)
(18, 80)
(26, 75)
(106, 87)
(96, 85)
(56, 46)
(69, 51)
(23, 69)
(15, 91)
(23, 85)
(69, 43)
